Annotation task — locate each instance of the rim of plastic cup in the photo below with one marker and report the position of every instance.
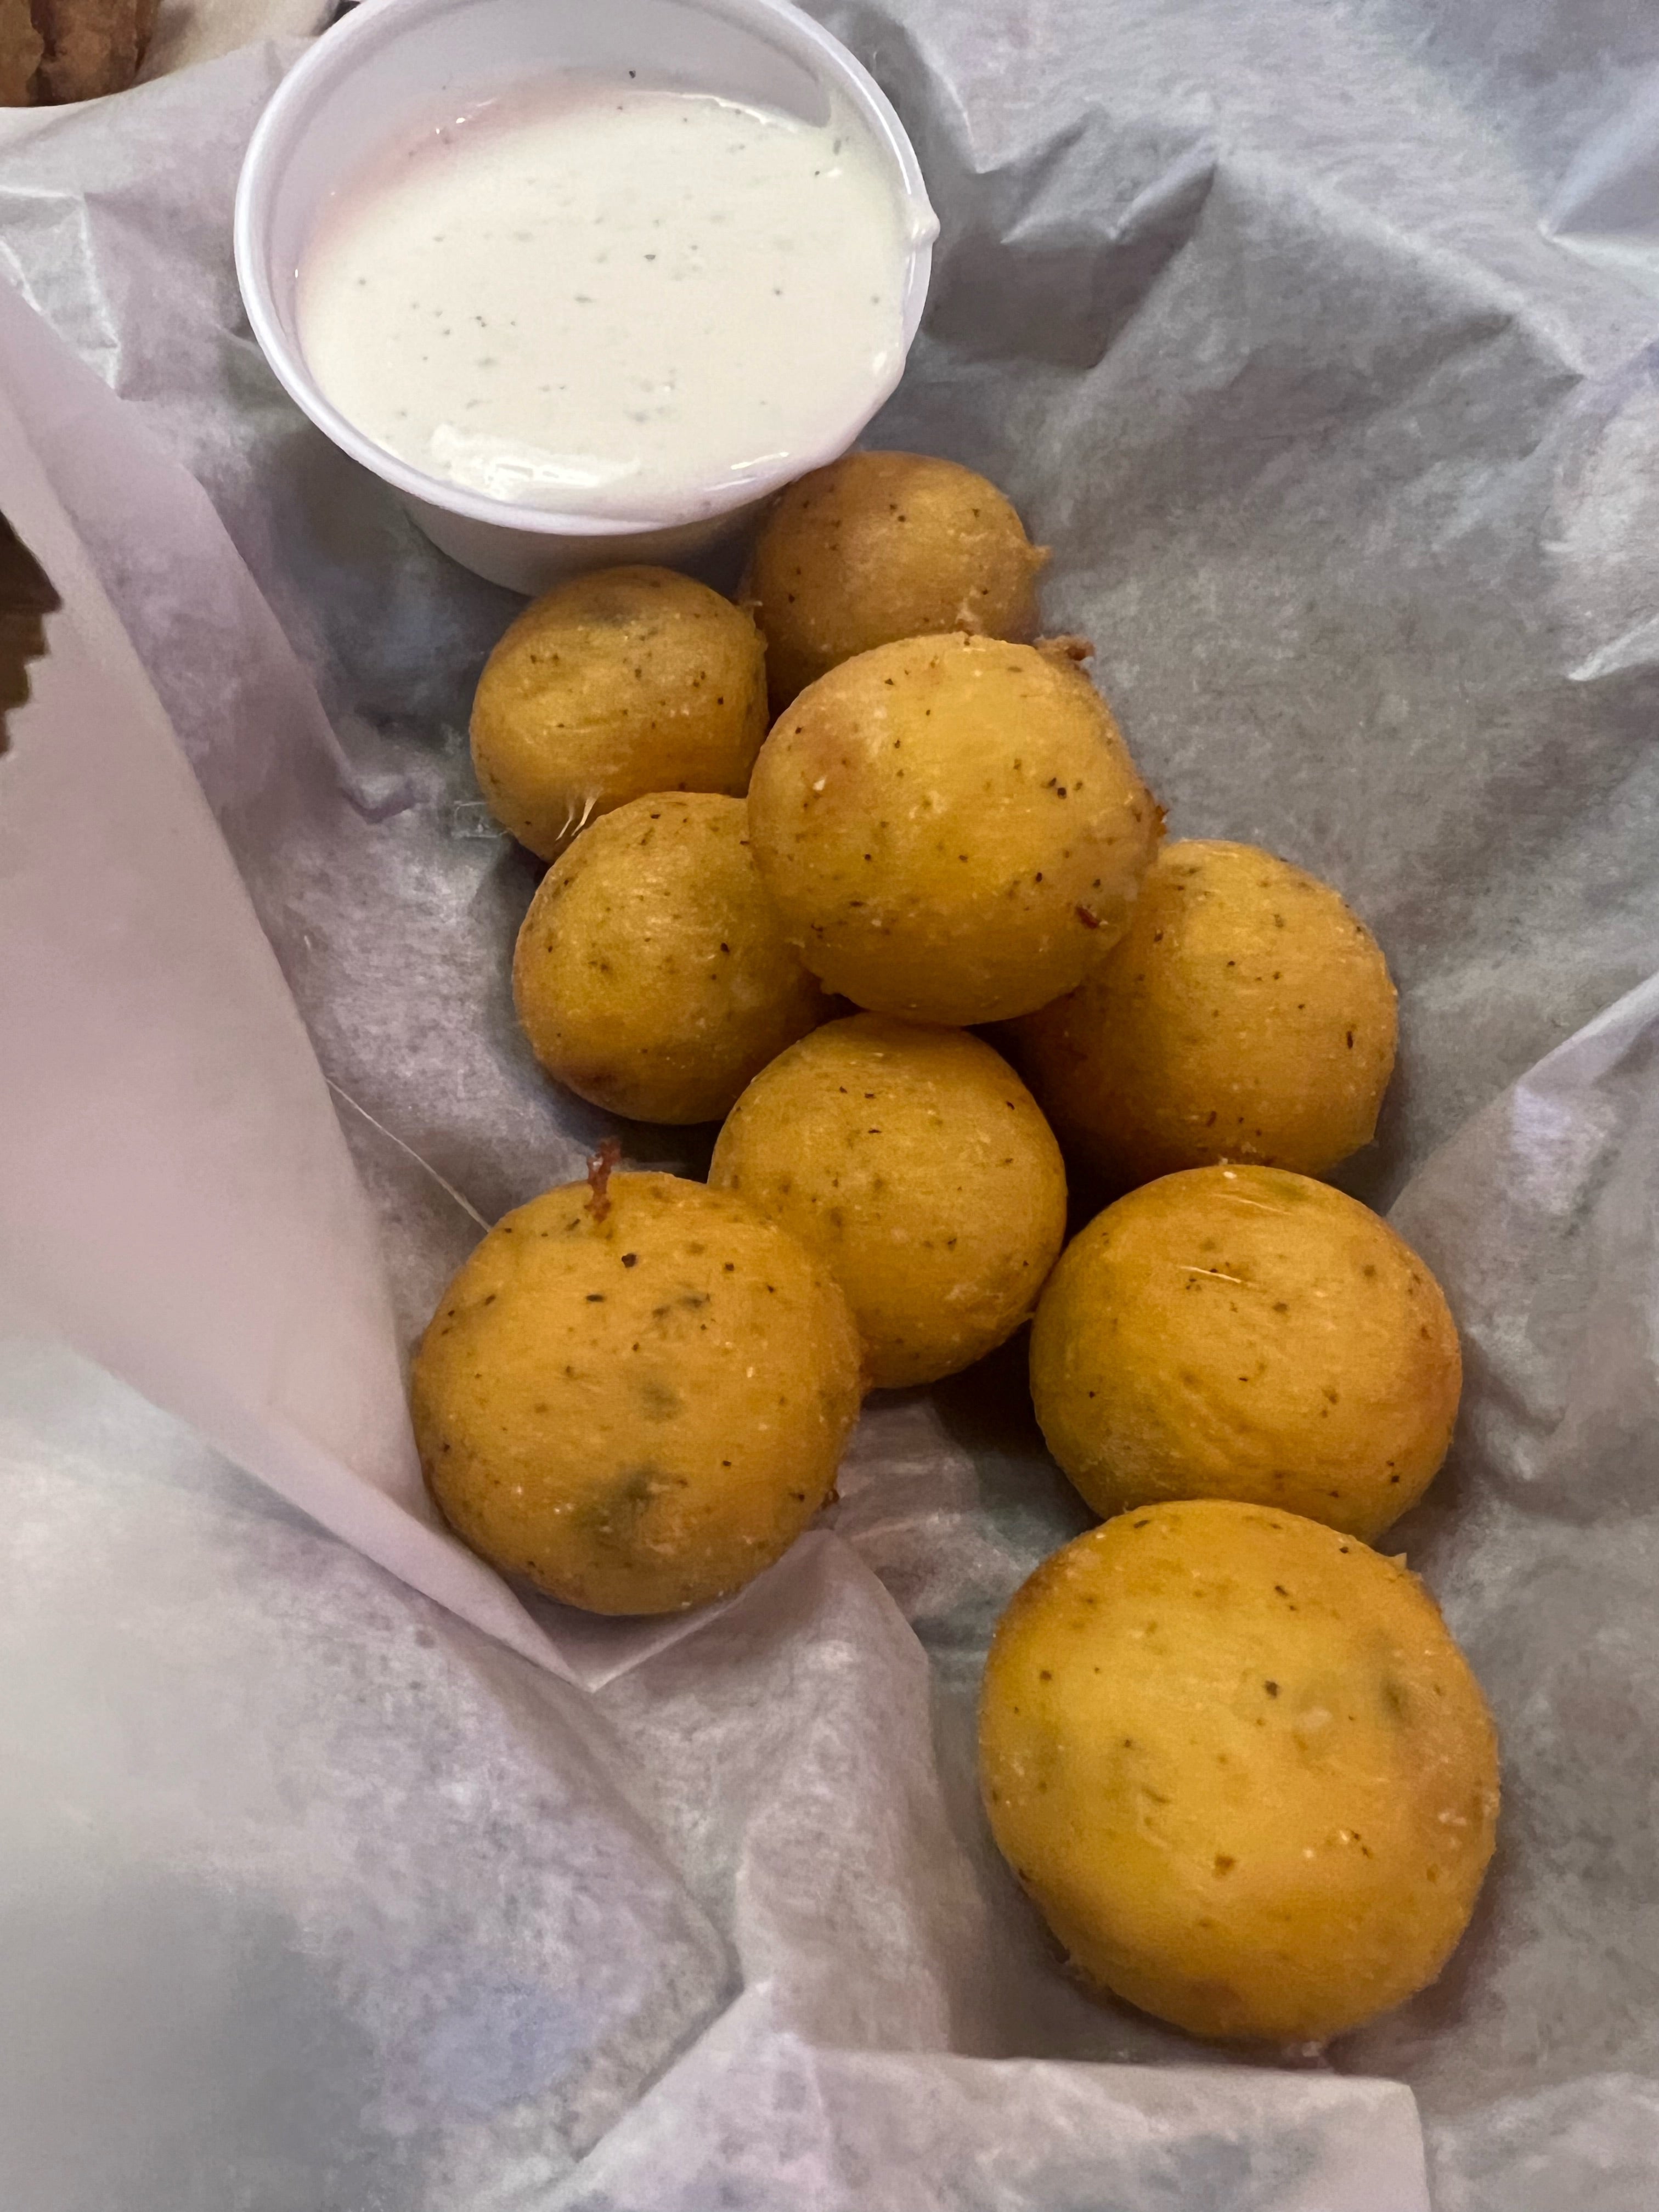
(337, 53)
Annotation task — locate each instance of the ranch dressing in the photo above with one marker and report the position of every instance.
(603, 298)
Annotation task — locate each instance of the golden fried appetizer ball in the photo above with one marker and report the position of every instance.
(1241, 1768)
(952, 827)
(914, 1163)
(636, 1396)
(1249, 1334)
(651, 977)
(1245, 1014)
(883, 546)
(609, 687)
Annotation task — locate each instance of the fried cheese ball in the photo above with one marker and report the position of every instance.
(1246, 1333)
(952, 827)
(1245, 1014)
(651, 974)
(611, 686)
(914, 1163)
(883, 546)
(1242, 1769)
(636, 1396)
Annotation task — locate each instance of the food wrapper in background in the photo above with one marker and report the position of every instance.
(1319, 344)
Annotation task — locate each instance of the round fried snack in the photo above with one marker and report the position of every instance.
(952, 827)
(914, 1163)
(609, 687)
(1249, 1334)
(1245, 1014)
(1241, 1768)
(651, 975)
(883, 546)
(636, 1395)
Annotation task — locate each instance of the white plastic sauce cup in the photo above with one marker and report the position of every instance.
(395, 58)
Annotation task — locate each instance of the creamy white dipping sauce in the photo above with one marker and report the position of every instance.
(611, 299)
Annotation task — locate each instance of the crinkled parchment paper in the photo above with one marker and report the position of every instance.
(1320, 342)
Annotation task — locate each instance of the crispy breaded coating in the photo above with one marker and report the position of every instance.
(20, 49)
(92, 46)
